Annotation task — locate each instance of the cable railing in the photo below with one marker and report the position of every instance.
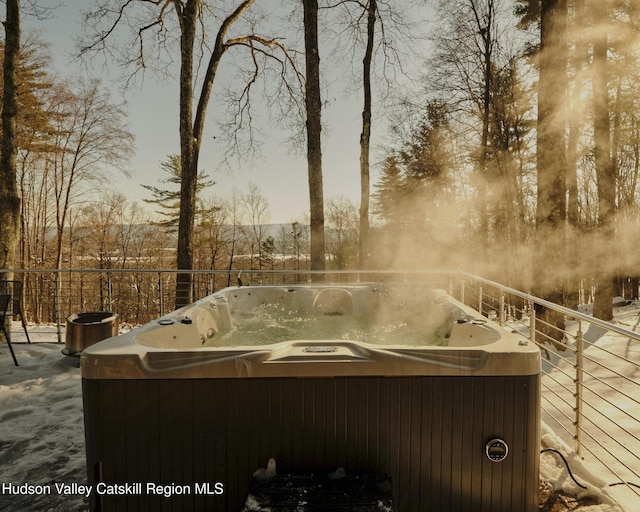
(590, 376)
(590, 368)
(140, 295)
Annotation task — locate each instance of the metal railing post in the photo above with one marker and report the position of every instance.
(57, 306)
(578, 393)
(501, 314)
(480, 298)
(109, 290)
(160, 295)
(532, 322)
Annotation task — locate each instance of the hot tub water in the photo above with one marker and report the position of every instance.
(273, 323)
(393, 379)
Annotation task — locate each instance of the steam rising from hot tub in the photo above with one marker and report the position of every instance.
(367, 314)
(247, 316)
(395, 379)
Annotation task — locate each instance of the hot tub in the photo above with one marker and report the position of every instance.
(391, 379)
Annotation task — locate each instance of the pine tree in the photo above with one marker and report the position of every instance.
(169, 199)
(389, 191)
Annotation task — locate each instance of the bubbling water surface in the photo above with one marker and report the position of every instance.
(271, 323)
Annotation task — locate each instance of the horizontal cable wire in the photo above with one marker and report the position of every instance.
(494, 296)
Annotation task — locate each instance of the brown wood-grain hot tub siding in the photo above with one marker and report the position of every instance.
(427, 432)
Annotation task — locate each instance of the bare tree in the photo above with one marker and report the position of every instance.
(130, 231)
(90, 135)
(100, 221)
(257, 214)
(313, 105)
(376, 28)
(468, 56)
(603, 304)
(38, 96)
(551, 161)
(342, 232)
(212, 233)
(190, 15)
(234, 210)
(365, 137)
(476, 71)
(484, 14)
(299, 237)
(282, 247)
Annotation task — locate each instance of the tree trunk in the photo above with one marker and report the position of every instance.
(314, 150)
(574, 249)
(191, 131)
(634, 284)
(365, 137)
(550, 257)
(603, 302)
(188, 163)
(9, 198)
(551, 152)
(484, 24)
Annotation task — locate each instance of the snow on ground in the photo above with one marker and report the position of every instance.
(611, 382)
(42, 434)
(41, 427)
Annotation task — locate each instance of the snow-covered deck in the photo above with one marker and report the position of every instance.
(41, 420)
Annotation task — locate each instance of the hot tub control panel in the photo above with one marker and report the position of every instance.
(497, 450)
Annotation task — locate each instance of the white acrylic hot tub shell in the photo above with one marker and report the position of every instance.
(161, 405)
(175, 346)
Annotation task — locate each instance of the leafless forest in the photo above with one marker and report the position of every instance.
(508, 143)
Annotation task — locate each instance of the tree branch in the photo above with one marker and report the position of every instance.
(214, 61)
